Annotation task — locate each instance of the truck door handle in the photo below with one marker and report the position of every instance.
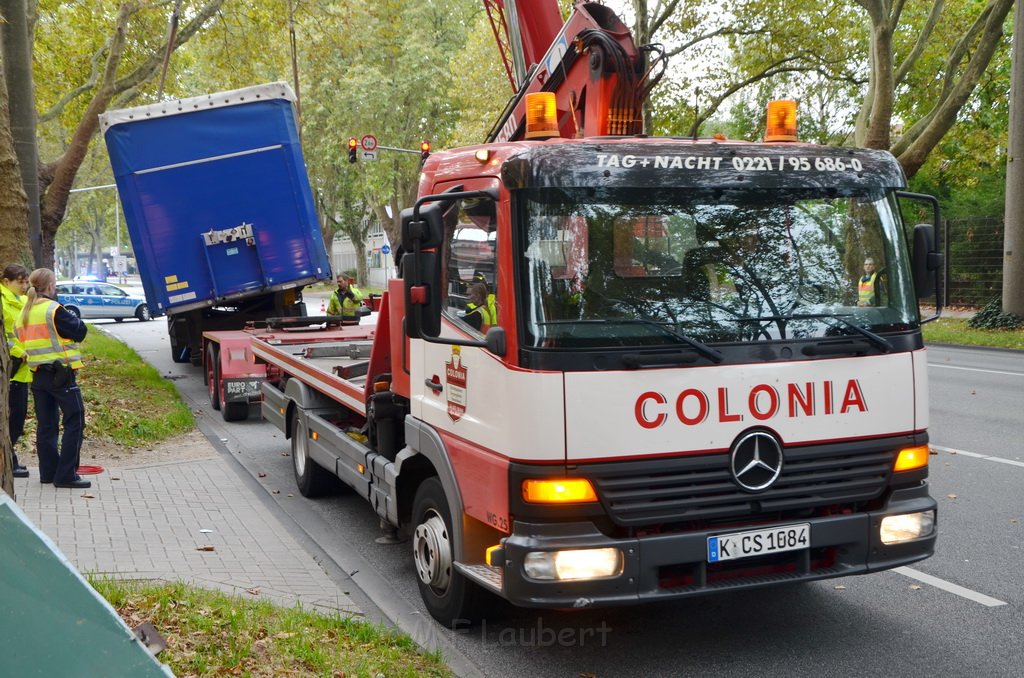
(434, 386)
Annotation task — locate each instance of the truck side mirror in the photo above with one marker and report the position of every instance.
(421, 270)
(422, 275)
(427, 231)
(927, 260)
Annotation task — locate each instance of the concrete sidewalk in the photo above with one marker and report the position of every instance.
(195, 521)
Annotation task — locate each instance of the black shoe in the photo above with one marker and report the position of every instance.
(20, 471)
(75, 484)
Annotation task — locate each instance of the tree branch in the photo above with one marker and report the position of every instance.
(922, 39)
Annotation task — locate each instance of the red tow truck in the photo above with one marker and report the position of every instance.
(691, 385)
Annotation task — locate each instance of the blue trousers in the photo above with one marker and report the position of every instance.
(17, 401)
(58, 465)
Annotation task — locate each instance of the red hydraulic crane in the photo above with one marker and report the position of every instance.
(601, 94)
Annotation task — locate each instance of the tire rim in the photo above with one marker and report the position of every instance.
(432, 552)
(299, 453)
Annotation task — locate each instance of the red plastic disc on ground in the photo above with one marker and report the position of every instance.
(89, 470)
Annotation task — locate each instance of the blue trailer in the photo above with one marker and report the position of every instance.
(219, 209)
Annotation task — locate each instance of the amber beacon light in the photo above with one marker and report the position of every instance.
(781, 121)
(541, 115)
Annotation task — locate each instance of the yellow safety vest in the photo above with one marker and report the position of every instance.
(344, 304)
(866, 290)
(41, 342)
(486, 314)
(12, 310)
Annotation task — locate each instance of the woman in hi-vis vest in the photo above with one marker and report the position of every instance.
(50, 333)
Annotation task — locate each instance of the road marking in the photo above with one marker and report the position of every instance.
(986, 457)
(977, 369)
(987, 601)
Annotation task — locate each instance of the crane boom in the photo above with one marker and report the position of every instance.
(601, 94)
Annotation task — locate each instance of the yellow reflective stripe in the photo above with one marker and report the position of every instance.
(41, 341)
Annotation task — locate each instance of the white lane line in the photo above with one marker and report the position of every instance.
(977, 369)
(986, 457)
(987, 601)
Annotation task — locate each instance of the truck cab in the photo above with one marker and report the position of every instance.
(683, 392)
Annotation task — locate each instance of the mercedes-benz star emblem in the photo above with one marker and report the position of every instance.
(756, 461)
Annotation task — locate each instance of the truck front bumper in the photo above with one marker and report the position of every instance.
(666, 566)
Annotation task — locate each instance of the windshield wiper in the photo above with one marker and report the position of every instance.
(705, 350)
(877, 340)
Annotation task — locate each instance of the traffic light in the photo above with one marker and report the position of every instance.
(424, 151)
(352, 144)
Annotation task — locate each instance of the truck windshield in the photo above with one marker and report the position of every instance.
(620, 267)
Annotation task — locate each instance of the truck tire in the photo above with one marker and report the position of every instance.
(311, 478)
(237, 411)
(213, 374)
(447, 594)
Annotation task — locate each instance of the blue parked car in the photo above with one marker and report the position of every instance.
(90, 300)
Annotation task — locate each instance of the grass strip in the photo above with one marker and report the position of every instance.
(212, 633)
(127, 401)
(949, 330)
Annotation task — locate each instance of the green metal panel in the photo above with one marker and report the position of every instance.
(52, 622)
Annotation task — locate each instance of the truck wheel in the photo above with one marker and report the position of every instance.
(312, 479)
(213, 374)
(448, 595)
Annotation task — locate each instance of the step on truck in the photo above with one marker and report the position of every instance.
(219, 210)
(690, 382)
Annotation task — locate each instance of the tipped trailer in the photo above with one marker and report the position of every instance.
(219, 209)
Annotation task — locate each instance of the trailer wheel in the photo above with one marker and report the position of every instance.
(447, 594)
(237, 411)
(312, 479)
(213, 374)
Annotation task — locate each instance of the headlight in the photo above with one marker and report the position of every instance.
(570, 565)
(896, 529)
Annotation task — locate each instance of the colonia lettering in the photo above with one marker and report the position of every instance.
(693, 406)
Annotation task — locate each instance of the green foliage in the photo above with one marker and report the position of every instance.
(211, 633)
(992, 317)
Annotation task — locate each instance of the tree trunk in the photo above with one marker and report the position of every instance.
(17, 67)
(13, 211)
(1013, 236)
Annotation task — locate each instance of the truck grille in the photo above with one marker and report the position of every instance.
(701, 488)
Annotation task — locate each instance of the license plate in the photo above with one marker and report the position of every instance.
(758, 542)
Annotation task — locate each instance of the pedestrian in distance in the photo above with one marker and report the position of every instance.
(346, 300)
(50, 334)
(14, 286)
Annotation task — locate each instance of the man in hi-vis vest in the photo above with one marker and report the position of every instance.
(50, 333)
(867, 294)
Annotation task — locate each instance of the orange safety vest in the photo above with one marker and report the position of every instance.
(866, 290)
(40, 340)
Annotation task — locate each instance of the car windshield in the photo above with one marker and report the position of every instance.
(625, 268)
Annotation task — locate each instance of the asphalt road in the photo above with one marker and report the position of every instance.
(960, 613)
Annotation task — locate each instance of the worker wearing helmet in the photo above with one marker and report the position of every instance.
(346, 300)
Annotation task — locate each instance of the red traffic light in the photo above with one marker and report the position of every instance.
(352, 144)
(424, 150)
